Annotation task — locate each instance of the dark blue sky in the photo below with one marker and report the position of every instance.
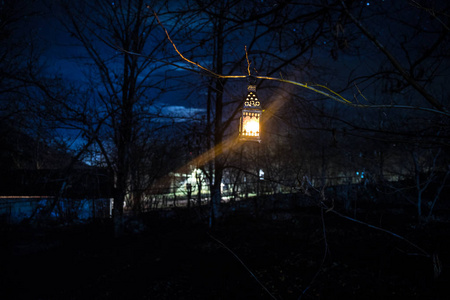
(335, 73)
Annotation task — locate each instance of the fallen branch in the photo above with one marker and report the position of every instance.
(424, 253)
(323, 205)
(242, 263)
(324, 256)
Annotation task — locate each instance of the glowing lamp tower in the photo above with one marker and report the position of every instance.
(250, 125)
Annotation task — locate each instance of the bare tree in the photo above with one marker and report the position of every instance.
(261, 30)
(124, 87)
(20, 58)
(404, 90)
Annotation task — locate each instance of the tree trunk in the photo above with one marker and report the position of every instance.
(216, 193)
(417, 171)
(117, 215)
(199, 192)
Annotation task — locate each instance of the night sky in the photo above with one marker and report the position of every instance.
(338, 68)
(345, 197)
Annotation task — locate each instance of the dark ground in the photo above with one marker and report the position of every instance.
(176, 258)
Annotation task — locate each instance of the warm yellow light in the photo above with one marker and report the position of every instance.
(250, 126)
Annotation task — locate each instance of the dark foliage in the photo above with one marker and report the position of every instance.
(177, 258)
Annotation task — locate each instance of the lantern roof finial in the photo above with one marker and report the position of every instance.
(251, 80)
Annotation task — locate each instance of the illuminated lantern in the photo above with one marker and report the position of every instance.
(250, 123)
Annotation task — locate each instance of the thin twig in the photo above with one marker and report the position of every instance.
(424, 253)
(324, 255)
(330, 94)
(395, 63)
(248, 62)
(432, 13)
(323, 205)
(242, 263)
(176, 49)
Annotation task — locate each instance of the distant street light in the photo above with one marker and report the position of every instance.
(249, 127)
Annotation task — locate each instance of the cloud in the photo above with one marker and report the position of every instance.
(180, 113)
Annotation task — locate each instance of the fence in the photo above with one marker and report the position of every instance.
(14, 210)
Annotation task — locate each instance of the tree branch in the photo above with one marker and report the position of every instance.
(325, 91)
(406, 75)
